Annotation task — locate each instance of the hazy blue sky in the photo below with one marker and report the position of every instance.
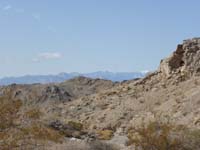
(52, 36)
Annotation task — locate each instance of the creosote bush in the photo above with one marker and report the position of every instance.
(105, 134)
(160, 135)
(76, 125)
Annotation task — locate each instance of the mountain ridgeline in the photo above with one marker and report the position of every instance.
(31, 79)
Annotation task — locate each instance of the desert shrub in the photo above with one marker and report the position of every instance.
(71, 129)
(104, 134)
(18, 133)
(160, 135)
(8, 113)
(76, 125)
(9, 110)
(42, 133)
(34, 113)
(74, 129)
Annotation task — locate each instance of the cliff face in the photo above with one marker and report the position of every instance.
(185, 60)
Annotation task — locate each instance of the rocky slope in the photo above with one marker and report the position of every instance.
(172, 91)
(69, 90)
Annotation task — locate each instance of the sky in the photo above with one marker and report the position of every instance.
(52, 36)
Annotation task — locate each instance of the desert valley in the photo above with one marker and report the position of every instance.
(158, 112)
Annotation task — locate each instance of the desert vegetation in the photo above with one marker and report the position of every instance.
(164, 135)
(18, 133)
(25, 130)
(105, 134)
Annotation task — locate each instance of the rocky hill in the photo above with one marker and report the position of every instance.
(100, 105)
(56, 93)
(172, 90)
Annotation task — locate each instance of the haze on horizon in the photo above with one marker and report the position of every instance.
(48, 37)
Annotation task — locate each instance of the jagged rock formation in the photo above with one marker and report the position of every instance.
(185, 60)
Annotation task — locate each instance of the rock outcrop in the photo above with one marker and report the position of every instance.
(185, 60)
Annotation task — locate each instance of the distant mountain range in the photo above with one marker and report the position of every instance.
(30, 79)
